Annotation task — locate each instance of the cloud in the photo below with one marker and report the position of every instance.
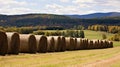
(58, 6)
(14, 7)
(64, 1)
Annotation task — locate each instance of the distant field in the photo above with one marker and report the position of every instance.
(68, 58)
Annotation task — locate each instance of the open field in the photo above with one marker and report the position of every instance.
(68, 58)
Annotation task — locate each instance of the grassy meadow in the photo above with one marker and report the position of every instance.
(65, 59)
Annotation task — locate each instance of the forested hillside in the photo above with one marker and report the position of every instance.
(53, 20)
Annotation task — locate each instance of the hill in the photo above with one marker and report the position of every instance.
(53, 20)
(96, 15)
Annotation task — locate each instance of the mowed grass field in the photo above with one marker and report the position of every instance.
(80, 58)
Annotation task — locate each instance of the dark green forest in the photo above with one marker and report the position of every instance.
(53, 20)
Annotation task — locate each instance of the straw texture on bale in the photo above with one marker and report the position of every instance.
(3, 43)
(85, 43)
(78, 44)
(90, 44)
(69, 43)
(41, 43)
(63, 43)
(13, 42)
(57, 43)
(110, 44)
(75, 44)
(51, 44)
(28, 43)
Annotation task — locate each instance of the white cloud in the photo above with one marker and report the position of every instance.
(64, 1)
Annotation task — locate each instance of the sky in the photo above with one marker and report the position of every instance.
(12, 7)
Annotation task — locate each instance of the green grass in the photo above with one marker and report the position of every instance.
(63, 59)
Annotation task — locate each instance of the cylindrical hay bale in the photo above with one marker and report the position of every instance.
(99, 44)
(3, 43)
(75, 44)
(69, 43)
(13, 43)
(63, 43)
(28, 43)
(91, 46)
(41, 43)
(86, 43)
(83, 44)
(78, 44)
(51, 44)
(105, 44)
(102, 44)
(94, 44)
(57, 43)
(110, 44)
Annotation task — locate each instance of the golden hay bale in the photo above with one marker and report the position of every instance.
(90, 44)
(75, 43)
(69, 43)
(85, 43)
(41, 43)
(57, 43)
(78, 44)
(96, 44)
(51, 44)
(102, 44)
(81, 44)
(110, 44)
(63, 43)
(105, 44)
(99, 44)
(28, 43)
(13, 42)
(3, 43)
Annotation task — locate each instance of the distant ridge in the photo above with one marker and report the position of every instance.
(96, 15)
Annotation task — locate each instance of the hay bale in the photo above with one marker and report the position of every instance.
(81, 44)
(41, 43)
(57, 43)
(110, 44)
(85, 43)
(51, 44)
(13, 42)
(63, 43)
(69, 43)
(90, 44)
(75, 44)
(96, 44)
(3, 43)
(28, 43)
(78, 44)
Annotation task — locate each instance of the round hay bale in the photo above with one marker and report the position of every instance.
(75, 44)
(81, 44)
(41, 43)
(99, 44)
(3, 43)
(110, 44)
(85, 43)
(63, 43)
(78, 44)
(69, 43)
(89, 44)
(28, 43)
(51, 44)
(57, 43)
(13, 42)
(102, 44)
